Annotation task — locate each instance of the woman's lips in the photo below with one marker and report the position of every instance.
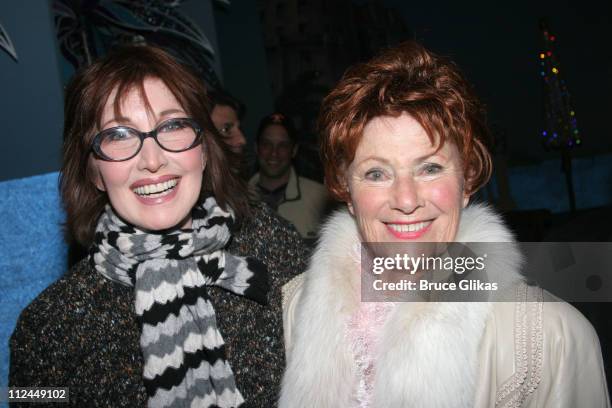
(150, 181)
(162, 190)
(412, 230)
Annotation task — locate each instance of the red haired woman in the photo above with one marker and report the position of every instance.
(403, 143)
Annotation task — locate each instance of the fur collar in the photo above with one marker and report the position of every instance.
(428, 352)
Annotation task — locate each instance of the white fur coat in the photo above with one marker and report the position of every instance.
(428, 351)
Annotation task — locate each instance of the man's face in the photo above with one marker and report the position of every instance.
(275, 151)
(227, 123)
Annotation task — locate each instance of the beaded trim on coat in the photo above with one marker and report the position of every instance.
(528, 344)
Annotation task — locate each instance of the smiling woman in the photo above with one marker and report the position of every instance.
(403, 145)
(138, 91)
(153, 183)
(401, 186)
(149, 190)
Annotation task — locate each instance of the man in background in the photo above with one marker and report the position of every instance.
(300, 200)
(226, 114)
(242, 322)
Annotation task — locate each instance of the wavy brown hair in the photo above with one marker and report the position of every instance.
(125, 69)
(407, 78)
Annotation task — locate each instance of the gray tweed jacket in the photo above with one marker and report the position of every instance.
(82, 333)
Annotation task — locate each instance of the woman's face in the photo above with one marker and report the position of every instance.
(156, 189)
(401, 189)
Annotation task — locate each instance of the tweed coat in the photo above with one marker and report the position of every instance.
(82, 332)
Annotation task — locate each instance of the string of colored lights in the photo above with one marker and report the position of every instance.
(560, 128)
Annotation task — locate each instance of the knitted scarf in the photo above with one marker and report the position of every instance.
(184, 354)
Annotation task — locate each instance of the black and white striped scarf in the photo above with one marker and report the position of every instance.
(184, 354)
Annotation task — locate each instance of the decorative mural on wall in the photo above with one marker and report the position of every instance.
(6, 44)
(88, 28)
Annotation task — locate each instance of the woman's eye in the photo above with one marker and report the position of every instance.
(225, 129)
(432, 168)
(171, 126)
(118, 135)
(374, 175)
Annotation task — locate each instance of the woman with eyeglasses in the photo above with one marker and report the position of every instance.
(178, 301)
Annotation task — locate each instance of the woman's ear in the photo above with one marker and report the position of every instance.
(466, 199)
(93, 173)
(347, 192)
(346, 196)
(467, 190)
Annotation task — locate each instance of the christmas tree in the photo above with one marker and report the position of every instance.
(560, 128)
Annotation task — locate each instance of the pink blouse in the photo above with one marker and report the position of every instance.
(363, 331)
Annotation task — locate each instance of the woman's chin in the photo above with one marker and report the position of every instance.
(161, 224)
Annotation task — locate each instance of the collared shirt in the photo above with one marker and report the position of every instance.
(272, 197)
(303, 202)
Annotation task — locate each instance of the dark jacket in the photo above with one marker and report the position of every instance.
(82, 332)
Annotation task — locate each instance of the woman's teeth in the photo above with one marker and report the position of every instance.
(409, 227)
(156, 190)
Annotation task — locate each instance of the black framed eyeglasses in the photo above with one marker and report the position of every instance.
(122, 143)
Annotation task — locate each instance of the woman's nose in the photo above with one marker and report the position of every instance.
(151, 156)
(405, 195)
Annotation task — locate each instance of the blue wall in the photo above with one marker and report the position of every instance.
(243, 60)
(32, 250)
(201, 13)
(31, 110)
(543, 185)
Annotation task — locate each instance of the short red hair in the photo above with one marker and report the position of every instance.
(407, 78)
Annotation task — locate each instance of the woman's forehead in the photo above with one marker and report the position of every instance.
(399, 139)
(403, 130)
(151, 97)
